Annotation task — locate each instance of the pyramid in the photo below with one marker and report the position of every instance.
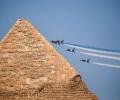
(32, 69)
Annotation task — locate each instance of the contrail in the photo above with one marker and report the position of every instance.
(100, 55)
(106, 65)
(91, 49)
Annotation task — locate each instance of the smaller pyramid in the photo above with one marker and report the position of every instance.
(31, 69)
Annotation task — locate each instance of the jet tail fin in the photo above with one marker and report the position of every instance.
(88, 60)
(73, 49)
(62, 41)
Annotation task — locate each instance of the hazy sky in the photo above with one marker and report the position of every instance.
(83, 22)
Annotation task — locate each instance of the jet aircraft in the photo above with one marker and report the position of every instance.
(71, 50)
(58, 42)
(85, 60)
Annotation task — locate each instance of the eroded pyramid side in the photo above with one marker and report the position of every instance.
(29, 64)
(28, 57)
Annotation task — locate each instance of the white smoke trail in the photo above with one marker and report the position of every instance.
(100, 55)
(106, 65)
(92, 50)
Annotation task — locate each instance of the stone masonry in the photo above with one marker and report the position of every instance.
(31, 69)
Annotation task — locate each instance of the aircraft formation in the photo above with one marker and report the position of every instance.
(60, 42)
(91, 51)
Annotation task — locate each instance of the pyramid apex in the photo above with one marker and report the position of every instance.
(21, 19)
(21, 26)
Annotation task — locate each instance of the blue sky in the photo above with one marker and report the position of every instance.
(94, 23)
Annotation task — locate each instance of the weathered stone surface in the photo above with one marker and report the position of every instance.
(31, 69)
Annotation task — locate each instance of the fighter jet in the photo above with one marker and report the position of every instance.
(85, 60)
(71, 50)
(58, 42)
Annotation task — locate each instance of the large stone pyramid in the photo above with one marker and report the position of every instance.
(31, 69)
